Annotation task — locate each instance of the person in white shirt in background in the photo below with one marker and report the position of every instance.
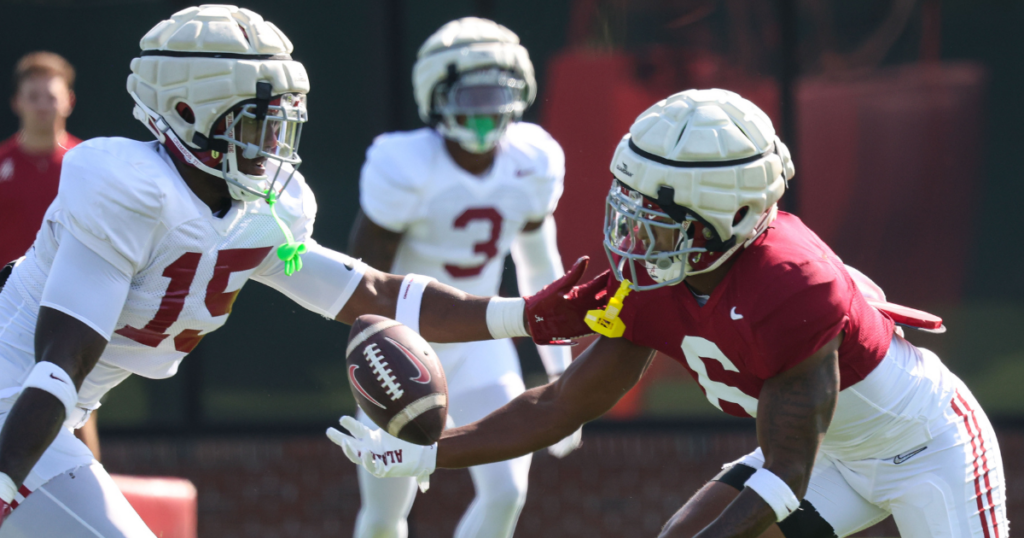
(450, 201)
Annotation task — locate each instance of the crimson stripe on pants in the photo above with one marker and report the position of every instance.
(984, 462)
(975, 438)
(25, 492)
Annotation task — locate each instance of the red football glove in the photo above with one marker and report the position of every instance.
(555, 313)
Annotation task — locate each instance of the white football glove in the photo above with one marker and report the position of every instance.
(565, 447)
(384, 455)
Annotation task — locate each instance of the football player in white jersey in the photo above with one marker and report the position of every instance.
(450, 201)
(148, 243)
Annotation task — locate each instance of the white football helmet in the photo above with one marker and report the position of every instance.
(214, 81)
(696, 179)
(475, 69)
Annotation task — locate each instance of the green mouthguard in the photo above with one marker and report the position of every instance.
(481, 125)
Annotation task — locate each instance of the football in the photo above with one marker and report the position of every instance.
(396, 379)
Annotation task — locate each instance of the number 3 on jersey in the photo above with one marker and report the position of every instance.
(488, 248)
(696, 349)
(218, 302)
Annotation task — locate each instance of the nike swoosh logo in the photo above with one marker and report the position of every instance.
(904, 457)
(424, 374)
(58, 379)
(523, 173)
(734, 315)
(352, 379)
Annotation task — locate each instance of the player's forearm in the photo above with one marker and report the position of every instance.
(544, 415)
(746, 517)
(66, 351)
(793, 413)
(31, 426)
(451, 315)
(528, 423)
(446, 314)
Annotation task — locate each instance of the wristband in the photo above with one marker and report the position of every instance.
(7, 488)
(48, 376)
(410, 297)
(775, 492)
(505, 317)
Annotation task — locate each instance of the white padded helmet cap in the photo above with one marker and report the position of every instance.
(468, 43)
(716, 150)
(210, 58)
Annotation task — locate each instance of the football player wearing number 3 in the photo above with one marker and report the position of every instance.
(147, 245)
(854, 423)
(448, 202)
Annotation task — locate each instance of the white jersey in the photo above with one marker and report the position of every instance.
(125, 201)
(458, 227)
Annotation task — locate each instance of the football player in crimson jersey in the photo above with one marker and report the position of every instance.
(147, 245)
(450, 202)
(854, 423)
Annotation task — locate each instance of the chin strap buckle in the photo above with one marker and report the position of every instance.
(291, 251)
(605, 321)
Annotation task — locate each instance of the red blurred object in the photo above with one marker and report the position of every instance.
(167, 505)
(887, 170)
(590, 102)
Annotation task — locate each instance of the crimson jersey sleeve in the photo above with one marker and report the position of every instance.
(806, 307)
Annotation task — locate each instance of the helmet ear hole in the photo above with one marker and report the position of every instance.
(185, 112)
(740, 214)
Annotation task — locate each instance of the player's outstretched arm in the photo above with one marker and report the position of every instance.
(441, 313)
(537, 418)
(544, 415)
(65, 343)
(446, 314)
(793, 412)
(380, 293)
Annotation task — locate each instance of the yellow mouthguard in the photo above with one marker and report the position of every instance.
(605, 321)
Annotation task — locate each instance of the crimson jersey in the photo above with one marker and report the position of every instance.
(28, 183)
(784, 297)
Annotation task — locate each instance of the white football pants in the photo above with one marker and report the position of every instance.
(482, 376)
(67, 493)
(81, 503)
(950, 487)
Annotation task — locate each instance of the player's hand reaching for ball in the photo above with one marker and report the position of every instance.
(555, 314)
(383, 455)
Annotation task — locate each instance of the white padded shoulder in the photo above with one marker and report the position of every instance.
(112, 195)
